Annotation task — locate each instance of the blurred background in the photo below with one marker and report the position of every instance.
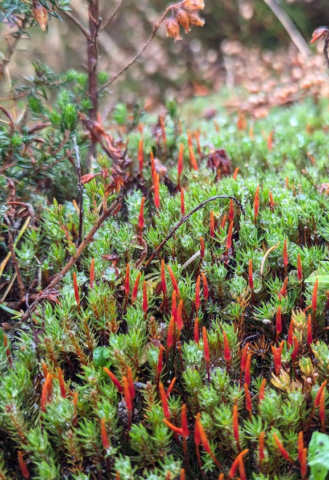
(257, 46)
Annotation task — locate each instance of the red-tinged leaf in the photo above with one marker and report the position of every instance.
(141, 220)
(283, 292)
(105, 440)
(242, 471)
(89, 177)
(322, 409)
(40, 14)
(235, 464)
(114, 379)
(261, 447)
(126, 393)
(135, 288)
(303, 466)
(193, 161)
(156, 190)
(164, 401)
(296, 348)
(189, 139)
(196, 331)
(300, 446)
(204, 439)
(197, 437)
(179, 321)
(223, 222)
(235, 173)
(22, 465)
(184, 424)
(290, 333)
(205, 345)
(244, 357)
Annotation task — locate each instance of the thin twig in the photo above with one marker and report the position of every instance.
(77, 23)
(138, 54)
(184, 219)
(113, 14)
(289, 26)
(80, 189)
(85, 242)
(14, 258)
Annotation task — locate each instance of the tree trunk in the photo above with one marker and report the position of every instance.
(92, 49)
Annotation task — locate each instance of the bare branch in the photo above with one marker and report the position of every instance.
(289, 26)
(113, 14)
(80, 189)
(138, 54)
(77, 23)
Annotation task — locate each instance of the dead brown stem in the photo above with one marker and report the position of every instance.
(111, 17)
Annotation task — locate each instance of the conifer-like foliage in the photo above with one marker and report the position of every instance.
(164, 315)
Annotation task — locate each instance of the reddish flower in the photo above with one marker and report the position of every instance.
(236, 463)
(172, 427)
(248, 398)
(114, 379)
(295, 350)
(300, 446)
(315, 296)
(46, 391)
(262, 390)
(180, 160)
(236, 423)
(271, 201)
(153, 170)
(235, 173)
(303, 465)
(156, 182)
(278, 321)
(261, 448)
(244, 354)
(283, 291)
(223, 222)
(277, 352)
(270, 141)
(285, 254)
(193, 161)
(231, 211)
(322, 410)
(131, 383)
(174, 305)
(227, 351)
(290, 333)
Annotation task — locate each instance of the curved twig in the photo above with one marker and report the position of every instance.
(184, 219)
(111, 17)
(138, 54)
